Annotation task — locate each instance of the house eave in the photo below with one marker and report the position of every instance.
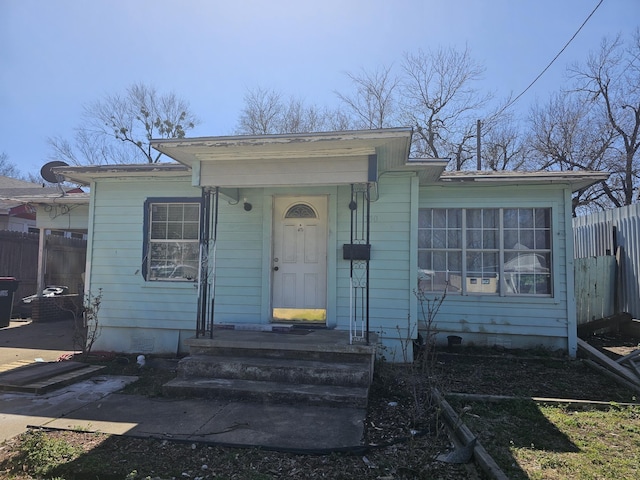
(576, 180)
(293, 159)
(429, 170)
(84, 175)
(301, 145)
(53, 199)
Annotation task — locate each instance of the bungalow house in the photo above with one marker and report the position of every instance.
(333, 230)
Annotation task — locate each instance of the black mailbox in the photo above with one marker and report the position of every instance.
(354, 251)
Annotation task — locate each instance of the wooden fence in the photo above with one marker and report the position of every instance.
(614, 233)
(65, 261)
(595, 279)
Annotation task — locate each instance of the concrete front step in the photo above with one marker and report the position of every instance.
(275, 370)
(269, 392)
(43, 377)
(319, 367)
(320, 345)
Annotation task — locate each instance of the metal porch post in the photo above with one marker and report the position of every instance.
(205, 315)
(359, 255)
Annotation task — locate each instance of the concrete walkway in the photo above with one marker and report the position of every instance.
(95, 405)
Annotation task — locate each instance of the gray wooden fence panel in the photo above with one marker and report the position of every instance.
(19, 259)
(608, 232)
(65, 262)
(595, 288)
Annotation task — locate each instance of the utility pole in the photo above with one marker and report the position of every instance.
(478, 145)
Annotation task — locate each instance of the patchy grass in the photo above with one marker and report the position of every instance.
(530, 440)
(42, 454)
(533, 441)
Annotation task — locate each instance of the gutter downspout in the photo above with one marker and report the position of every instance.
(572, 327)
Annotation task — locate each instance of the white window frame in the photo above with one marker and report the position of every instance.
(510, 254)
(172, 243)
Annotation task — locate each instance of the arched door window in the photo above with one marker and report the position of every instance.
(300, 210)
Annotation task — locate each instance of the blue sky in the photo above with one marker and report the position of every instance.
(58, 55)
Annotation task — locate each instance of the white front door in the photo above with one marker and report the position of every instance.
(299, 262)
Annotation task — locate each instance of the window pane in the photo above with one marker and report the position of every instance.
(424, 238)
(439, 238)
(439, 218)
(526, 239)
(525, 217)
(490, 239)
(454, 238)
(474, 262)
(190, 231)
(175, 213)
(490, 262)
(191, 213)
(474, 238)
(455, 218)
(543, 284)
(424, 218)
(490, 218)
(174, 230)
(440, 261)
(542, 239)
(424, 260)
(543, 218)
(158, 213)
(510, 239)
(158, 231)
(510, 219)
(474, 218)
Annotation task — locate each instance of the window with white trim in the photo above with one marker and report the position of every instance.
(172, 246)
(474, 251)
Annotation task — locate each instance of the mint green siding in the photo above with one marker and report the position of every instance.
(143, 316)
(135, 315)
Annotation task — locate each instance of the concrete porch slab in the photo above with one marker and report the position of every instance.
(290, 427)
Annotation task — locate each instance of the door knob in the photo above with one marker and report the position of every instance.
(276, 268)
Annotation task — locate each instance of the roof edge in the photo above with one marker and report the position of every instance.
(278, 137)
(577, 179)
(85, 173)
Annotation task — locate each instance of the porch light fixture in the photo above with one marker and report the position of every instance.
(247, 206)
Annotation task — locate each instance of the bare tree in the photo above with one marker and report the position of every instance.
(441, 102)
(261, 113)
(8, 168)
(504, 148)
(610, 80)
(268, 112)
(119, 128)
(567, 134)
(373, 104)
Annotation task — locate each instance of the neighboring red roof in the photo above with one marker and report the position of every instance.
(23, 211)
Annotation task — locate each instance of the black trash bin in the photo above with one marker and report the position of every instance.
(8, 286)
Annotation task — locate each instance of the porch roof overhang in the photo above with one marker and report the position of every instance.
(77, 198)
(84, 175)
(323, 158)
(575, 180)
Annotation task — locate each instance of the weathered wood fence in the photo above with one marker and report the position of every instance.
(607, 252)
(595, 280)
(65, 261)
